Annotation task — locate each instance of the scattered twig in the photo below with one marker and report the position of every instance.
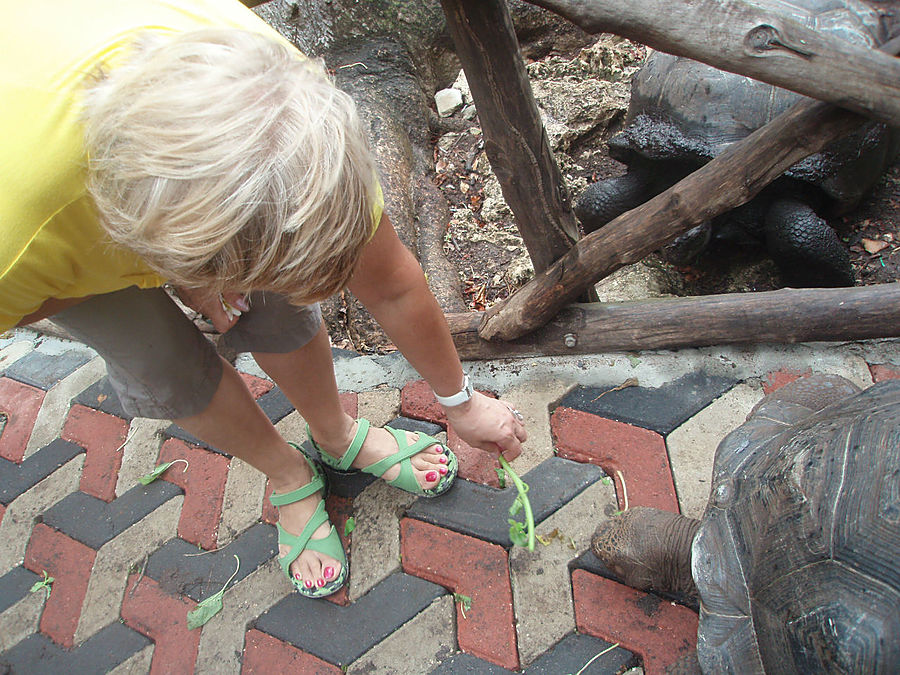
(127, 438)
(595, 657)
(630, 382)
(624, 489)
(140, 575)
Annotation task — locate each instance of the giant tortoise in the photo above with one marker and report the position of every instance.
(684, 113)
(796, 560)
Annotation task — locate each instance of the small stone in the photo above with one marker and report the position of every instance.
(448, 101)
(469, 112)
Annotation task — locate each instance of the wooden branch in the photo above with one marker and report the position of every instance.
(784, 316)
(736, 36)
(515, 140)
(727, 181)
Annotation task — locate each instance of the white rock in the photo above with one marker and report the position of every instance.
(462, 84)
(448, 101)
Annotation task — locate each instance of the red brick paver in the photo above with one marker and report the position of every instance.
(162, 618)
(778, 378)
(882, 371)
(473, 568)
(102, 436)
(257, 385)
(660, 631)
(475, 464)
(204, 488)
(417, 402)
(69, 562)
(640, 454)
(20, 404)
(264, 655)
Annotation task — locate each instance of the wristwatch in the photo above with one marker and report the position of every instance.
(459, 397)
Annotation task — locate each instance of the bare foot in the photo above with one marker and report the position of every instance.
(428, 466)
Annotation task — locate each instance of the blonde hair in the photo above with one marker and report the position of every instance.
(229, 162)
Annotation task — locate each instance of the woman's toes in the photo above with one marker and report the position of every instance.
(308, 572)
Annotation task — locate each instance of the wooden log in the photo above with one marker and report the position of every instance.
(736, 36)
(727, 181)
(783, 316)
(515, 140)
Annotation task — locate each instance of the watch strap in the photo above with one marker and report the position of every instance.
(459, 397)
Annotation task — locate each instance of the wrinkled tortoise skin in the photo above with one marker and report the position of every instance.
(797, 558)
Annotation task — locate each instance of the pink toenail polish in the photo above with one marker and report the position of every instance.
(297, 576)
(328, 572)
(320, 582)
(308, 583)
(443, 459)
(431, 476)
(438, 449)
(443, 470)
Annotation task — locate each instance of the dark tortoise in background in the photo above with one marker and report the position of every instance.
(796, 560)
(684, 113)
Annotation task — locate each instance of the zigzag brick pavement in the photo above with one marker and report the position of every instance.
(435, 586)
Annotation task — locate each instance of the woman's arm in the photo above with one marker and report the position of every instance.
(390, 283)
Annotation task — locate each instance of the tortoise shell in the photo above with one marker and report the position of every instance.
(796, 559)
(685, 111)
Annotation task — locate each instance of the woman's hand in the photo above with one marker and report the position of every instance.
(222, 309)
(490, 424)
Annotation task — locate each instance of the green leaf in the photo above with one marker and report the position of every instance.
(349, 526)
(463, 600)
(521, 534)
(465, 603)
(606, 480)
(211, 606)
(635, 361)
(159, 471)
(517, 533)
(205, 610)
(501, 477)
(43, 584)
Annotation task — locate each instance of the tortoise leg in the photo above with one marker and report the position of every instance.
(805, 247)
(607, 199)
(649, 548)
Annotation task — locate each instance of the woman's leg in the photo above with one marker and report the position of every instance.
(162, 367)
(306, 376)
(233, 422)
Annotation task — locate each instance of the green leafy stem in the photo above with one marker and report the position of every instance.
(521, 534)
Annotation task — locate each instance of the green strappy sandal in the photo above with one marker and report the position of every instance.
(329, 545)
(406, 479)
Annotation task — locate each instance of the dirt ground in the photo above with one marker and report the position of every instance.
(482, 240)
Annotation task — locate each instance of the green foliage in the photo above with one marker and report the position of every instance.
(146, 479)
(211, 606)
(44, 584)
(349, 526)
(520, 533)
(465, 602)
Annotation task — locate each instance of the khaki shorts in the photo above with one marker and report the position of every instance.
(159, 363)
